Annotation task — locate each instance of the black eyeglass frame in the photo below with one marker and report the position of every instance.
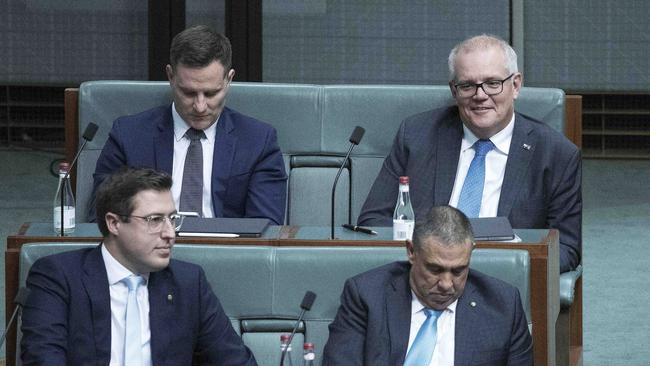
(480, 85)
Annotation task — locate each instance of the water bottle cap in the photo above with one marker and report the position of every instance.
(64, 167)
(403, 180)
(308, 346)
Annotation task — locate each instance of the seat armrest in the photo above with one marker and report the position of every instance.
(567, 286)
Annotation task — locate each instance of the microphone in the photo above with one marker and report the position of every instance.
(305, 305)
(19, 300)
(355, 138)
(88, 135)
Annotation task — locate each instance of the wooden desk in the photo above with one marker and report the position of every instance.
(542, 246)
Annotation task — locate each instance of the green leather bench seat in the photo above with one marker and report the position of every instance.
(314, 123)
(261, 287)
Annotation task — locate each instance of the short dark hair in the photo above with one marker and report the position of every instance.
(448, 225)
(116, 193)
(199, 46)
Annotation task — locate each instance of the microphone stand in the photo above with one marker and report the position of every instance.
(347, 156)
(355, 138)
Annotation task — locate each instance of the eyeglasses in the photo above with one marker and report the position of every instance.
(490, 87)
(155, 223)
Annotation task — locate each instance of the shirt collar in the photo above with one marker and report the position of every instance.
(417, 306)
(115, 271)
(180, 126)
(501, 139)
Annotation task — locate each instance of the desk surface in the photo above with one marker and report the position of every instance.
(542, 246)
(274, 232)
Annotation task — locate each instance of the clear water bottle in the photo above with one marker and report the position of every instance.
(403, 217)
(64, 190)
(308, 355)
(285, 347)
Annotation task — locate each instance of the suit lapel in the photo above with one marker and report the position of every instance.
(398, 313)
(161, 313)
(467, 316)
(450, 136)
(164, 142)
(522, 149)
(224, 152)
(95, 281)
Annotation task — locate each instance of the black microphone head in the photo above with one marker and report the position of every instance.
(91, 130)
(308, 300)
(21, 296)
(357, 134)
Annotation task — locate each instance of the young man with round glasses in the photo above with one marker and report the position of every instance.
(483, 157)
(126, 302)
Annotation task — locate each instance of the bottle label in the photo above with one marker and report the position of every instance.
(68, 219)
(403, 229)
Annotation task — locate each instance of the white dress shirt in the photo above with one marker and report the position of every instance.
(181, 143)
(495, 168)
(119, 293)
(443, 353)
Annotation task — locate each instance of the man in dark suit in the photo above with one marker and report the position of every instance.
(233, 169)
(125, 301)
(384, 314)
(531, 173)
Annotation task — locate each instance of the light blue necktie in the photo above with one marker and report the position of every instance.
(472, 192)
(132, 340)
(422, 348)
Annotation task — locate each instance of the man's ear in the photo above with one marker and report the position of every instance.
(113, 223)
(410, 251)
(170, 72)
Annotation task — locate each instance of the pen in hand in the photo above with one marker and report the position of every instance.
(359, 229)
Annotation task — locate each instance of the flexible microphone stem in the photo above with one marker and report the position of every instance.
(336, 180)
(19, 300)
(293, 332)
(355, 138)
(305, 305)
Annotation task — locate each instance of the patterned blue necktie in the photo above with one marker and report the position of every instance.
(472, 192)
(132, 340)
(192, 189)
(422, 348)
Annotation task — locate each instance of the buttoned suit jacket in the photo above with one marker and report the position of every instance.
(67, 316)
(372, 324)
(248, 174)
(541, 186)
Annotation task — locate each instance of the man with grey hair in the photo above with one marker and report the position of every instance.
(431, 310)
(483, 157)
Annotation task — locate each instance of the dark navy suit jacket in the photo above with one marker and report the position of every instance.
(248, 175)
(67, 316)
(541, 187)
(373, 322)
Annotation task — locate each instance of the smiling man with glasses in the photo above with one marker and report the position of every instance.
(126, 302)
(483, 157)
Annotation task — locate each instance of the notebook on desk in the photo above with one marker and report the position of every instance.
(492, 229)
(223, 227)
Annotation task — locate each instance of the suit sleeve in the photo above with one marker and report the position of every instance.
(44, 320)
(565, 212)
(110, 160)
(218, 343)
(379, 205)
(521, 344)
(347, 333)
(267, 189)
